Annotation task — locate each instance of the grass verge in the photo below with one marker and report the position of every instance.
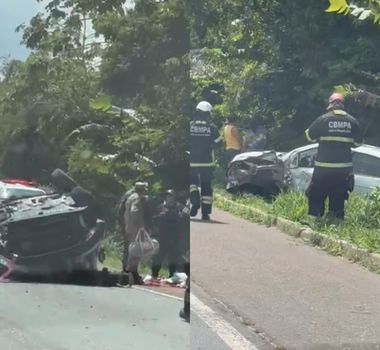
(361, 226)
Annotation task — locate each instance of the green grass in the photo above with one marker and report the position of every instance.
(360, 227)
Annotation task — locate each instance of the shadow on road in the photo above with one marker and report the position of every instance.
(103, 278)
(209, 222)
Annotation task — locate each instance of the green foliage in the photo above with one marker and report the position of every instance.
(361, 13)
(280, 60)
(87, 56)
(102, 103)
(291, 205)
(365, 212)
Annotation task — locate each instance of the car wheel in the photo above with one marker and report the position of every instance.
(62, 181)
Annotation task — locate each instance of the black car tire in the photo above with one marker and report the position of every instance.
(83, 198)
(62, 181)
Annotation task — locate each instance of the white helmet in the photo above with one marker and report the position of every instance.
(204, 106)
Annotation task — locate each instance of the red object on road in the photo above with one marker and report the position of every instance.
(9, 269)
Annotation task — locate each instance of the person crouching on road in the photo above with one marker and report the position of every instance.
(169, 226)
(336, 132)
(135, 218)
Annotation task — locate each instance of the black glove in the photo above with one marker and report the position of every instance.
(351, 182)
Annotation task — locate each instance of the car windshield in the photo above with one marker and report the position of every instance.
(15, 193)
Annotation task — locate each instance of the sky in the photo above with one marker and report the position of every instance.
(12, 14)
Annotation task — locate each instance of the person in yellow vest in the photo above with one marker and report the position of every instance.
(233, 140)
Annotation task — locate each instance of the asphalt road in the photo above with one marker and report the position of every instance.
(64, 317)
(203, 338)
(293, 295)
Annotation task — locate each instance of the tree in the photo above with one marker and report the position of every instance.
(298, 56)
(86, 51)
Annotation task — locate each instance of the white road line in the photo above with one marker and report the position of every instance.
(223, 329)
(157, 293)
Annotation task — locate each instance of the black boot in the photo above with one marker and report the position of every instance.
(205, 217)
(184, 315)
(137, 279)
(193, 211)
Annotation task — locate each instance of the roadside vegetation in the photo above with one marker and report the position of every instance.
(360, 227)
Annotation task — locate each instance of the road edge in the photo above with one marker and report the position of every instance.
(335, 247)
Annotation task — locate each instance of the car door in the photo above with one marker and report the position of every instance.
(302, 168)
(367, 172)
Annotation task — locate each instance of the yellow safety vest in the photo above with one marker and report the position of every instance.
(230, 140)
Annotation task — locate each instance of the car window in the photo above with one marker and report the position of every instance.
(20, 193)
(306, 159)
(365, 164)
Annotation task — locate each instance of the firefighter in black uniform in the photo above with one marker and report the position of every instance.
(336, 132)
(203, 136)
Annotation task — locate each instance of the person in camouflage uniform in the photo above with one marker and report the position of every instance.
(135, 218)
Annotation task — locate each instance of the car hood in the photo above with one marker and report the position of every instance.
(38, 207)
(250, 170)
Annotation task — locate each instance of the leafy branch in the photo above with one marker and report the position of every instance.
(361, 13)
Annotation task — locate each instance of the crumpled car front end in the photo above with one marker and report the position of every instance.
(259, 173)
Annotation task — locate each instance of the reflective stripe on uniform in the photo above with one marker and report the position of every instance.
(339, 112)
(202, 165)
(337, 139)
(207, 199)
(333, 165)
(193, 188)
(308, 136)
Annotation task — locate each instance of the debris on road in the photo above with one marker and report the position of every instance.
(178, 280)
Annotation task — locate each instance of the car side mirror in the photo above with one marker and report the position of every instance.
(294, 162)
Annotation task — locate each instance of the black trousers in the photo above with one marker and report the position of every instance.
(202, 177)
(170, 249)
(333, 184)
(125, 254)
(187, 292)
(231, 154)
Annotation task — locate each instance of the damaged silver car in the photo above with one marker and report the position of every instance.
(299, 164)
(261, 173)
(267, 173)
